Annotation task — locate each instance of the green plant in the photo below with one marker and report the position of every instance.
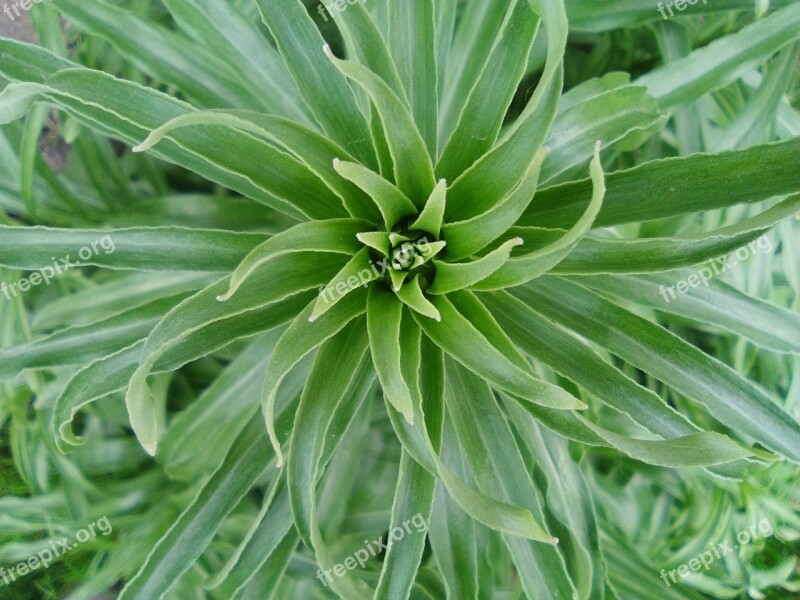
(407, 226)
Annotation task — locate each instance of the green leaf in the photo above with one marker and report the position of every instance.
(108, 299)
(451, 277)
(497, 467)
(80, 345)
(412, 42)
(481, 357)
(191, 444)
(128, 111)
(300, 339)
(720, 62)
(279, 279)
(333, 236)
(384, 312)
(366, 45)
(264, 538)
(610, 116)
(605, 15)
(731, 398)
(412, 296)
(336, 111)
(112, 373)
(422, 439)
(465, 238)
(339, 379)
(170, 58)
(393, 204)
(314, 150)
(430, 219)
(599, 255)
(188, 537)
(139, 248)
(412, 503)
(715, 303)
(495, 174)
(245, 51)
(357, 273)
(474, 37)
(674, 186)
(528, 266)
(413, 170)
(491, 94)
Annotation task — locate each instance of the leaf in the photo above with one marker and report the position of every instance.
(715, 303)
(299, 41)
(430, 219)
(481, 426)
(393, 204)
(413, 499)
(413, 170)
(139, 248)
(192, 68)
(605, 15)
(112, 373)
(281, 278)
(339, 377)
(358, 272)
(474, 38)
(245, 51)
(190, 446)
(451, 277)
(491, 93)
(314, 150)
(80, 345)
(333, 236)
(265, 536)
(674, 186)
(732, 399)
(301, 338)
(108, 299)
(720, 62)
(384, 312)
(610, 116)
(599, 255)
(194, 529)
(412, 296)
(413, 43)
(365, 44)
(484, 359)
(495, 174)
(465, 238)
(528, 266)
(128, 111)
(421, 439)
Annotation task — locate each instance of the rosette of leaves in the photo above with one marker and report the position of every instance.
(431, 228)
